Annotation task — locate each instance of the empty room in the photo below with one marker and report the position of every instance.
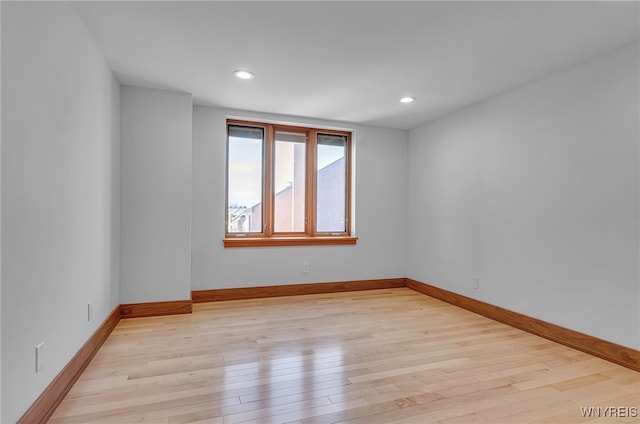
(320, 212)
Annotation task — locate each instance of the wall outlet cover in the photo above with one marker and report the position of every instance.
(39, 357)
(476, 283)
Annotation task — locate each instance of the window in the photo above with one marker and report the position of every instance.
(287, 185)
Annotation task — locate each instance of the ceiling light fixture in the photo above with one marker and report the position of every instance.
(245, 75)
(407, 99)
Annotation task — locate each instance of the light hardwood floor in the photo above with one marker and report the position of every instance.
(376, 356)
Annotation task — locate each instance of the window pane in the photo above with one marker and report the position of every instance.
(331, 177)
(289, 182)
(244, 179)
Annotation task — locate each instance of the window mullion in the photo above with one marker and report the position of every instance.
(268, 181)
(311, 182)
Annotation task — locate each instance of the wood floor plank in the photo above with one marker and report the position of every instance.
(379, 356)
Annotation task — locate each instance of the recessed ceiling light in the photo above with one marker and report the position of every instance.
(407, 99)
(245, 75)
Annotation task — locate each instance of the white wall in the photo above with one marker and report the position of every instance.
(536, 191)
(381, 198)
(155, 259)
(59, 146)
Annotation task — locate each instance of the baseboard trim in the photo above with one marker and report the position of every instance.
(621, 355)
(217, 295)
(46, 404)
(154, 309)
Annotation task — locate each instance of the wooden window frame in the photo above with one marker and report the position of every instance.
(310, 236)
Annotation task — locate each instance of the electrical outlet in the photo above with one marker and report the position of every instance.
(305, 267)
(89, 311)
(476, 283)
(39, 357)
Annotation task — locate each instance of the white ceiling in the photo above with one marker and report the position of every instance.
(352, 61)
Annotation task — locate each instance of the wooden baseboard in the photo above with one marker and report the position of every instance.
(215, 295)
(621, 355)
(52, 396)
(154, 309)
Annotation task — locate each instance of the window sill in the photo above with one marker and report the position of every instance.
(288, 241)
